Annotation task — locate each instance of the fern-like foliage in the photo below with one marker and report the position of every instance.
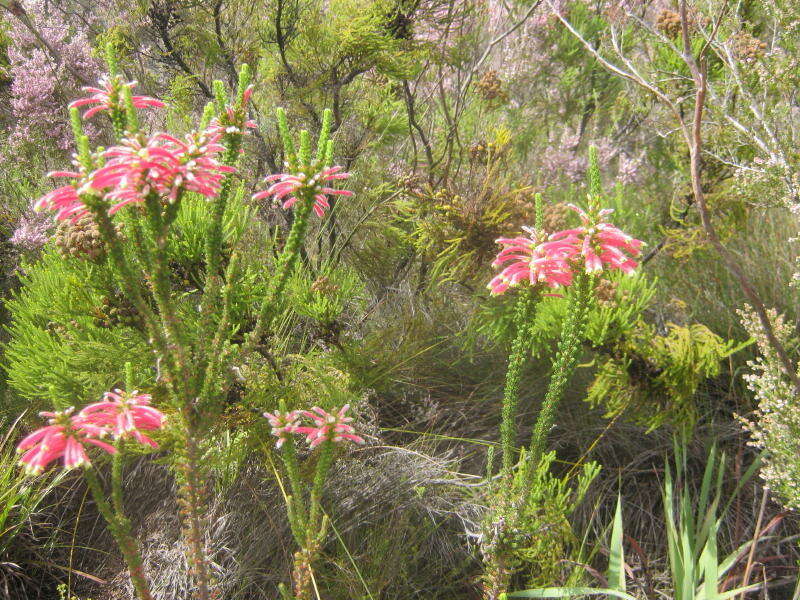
(653, 378)
(530, 525)
(72, 332)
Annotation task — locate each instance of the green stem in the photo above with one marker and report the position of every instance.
(121, 530)
(116, 480)
(218, 351)
(214, 240)
(516, 361)
(141, 250)
(289, 456)
(320, 475)
(131, 285)
(162, 293)
(192, 491)
(213, 249)
(569, 345)
(285, 264)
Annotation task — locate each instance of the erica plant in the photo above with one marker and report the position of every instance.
(323, 430)
(539, 264)
(146, 177)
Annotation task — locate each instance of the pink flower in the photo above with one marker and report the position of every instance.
(234, 120)
(124, 415)
(108, 97)
(37, 86)
(291, 188)
(32, 232)
(533, 260)
(64, 437)
(140, 165)
(601, 244)
(283, 424)
(66, 199)
(198, 169)
(163, 164)
(328, 426)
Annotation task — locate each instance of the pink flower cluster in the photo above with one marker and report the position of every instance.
(552, 260)
(140, 165)
(532, 259)
(32, 232)
(107, 97)
(291, 188)
(67, 435)
(234, 119)
(325, 426)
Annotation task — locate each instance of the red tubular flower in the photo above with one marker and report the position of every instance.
(124, 416)
(529, 259)
(601, 244)
(331, 426)
(283, 424)
(289, 187)
(107, 97)
(197, 168)
(64, 437)
(234, 120)
(64, 200)
(139, 165)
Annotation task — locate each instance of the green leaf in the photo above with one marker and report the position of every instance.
(710, 566)
(616, 560)
(568, 592)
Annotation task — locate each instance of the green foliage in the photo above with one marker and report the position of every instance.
(324, 298)
(59, 353)
(621, 301)
(69, 340)
(693, 524)
(693, 527)
(530, 515)
(20, 499)
(454, 228)
(193, 224)
(652, 378)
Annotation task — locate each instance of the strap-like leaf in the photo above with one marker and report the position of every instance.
(616, 560)
(569, 592)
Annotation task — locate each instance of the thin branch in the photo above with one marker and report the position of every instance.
(695, 150)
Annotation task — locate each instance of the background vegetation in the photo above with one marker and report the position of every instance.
(451, 115)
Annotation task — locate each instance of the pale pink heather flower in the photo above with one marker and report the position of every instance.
(64, 437)
(32, 232)
(533, 260)
(108, 97)
(290, 188)
(601, 244)
(37, 86)
(331, 426)
(283, 424)
(124, 415)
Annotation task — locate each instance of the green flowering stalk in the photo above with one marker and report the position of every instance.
(569, 347)
(306, 186)
(308, 522)
(568, 259)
